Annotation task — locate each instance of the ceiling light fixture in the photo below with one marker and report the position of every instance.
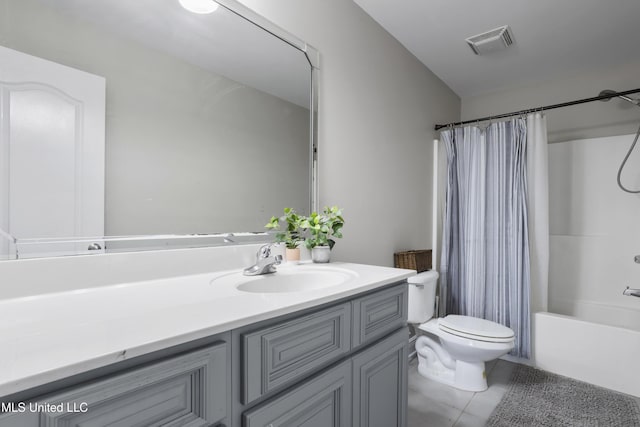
(199, 6)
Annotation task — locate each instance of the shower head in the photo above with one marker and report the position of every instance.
(613, 93)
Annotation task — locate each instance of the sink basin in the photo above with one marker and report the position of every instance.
(287, 280)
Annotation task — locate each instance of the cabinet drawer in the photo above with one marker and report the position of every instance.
(279, 355)
(323, 401)
(188, 390)
(379, 313)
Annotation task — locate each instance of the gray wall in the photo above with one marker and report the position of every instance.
(590, 120)
(377, 108)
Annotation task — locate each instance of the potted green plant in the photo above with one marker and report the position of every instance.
(290, 234)
(323, 228)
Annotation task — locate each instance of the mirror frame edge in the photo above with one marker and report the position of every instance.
(313, 56)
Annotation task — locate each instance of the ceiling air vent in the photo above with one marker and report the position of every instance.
(492, 40)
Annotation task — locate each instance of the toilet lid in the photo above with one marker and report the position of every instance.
(475, 328)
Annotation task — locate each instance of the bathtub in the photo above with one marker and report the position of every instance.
(596, 353)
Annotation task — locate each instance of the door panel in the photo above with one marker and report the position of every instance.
(52, 153)
(324, 401)
(380, 383)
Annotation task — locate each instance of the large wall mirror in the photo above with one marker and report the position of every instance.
(144, 118)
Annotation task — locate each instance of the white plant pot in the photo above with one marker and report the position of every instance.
(321, 254)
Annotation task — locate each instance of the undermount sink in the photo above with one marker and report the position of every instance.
(287, 280)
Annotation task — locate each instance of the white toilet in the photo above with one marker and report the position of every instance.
(454, 348)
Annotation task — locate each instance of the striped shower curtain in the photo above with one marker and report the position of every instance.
(485, 264)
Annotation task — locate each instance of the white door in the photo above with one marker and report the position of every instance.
(52, 133)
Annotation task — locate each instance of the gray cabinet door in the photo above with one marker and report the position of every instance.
(380, 383)
(19, 418)
(188, 390)
(279, 355)
(378, 314)
(323, 401)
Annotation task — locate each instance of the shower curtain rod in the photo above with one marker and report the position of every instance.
(532, 110)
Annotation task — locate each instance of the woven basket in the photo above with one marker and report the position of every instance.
(419, 260)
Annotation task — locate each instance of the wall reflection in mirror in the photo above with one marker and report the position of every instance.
(133, 118)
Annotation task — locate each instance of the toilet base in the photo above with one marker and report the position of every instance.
(466, 376)
(471, 376)
(436, 364)
(430, 366)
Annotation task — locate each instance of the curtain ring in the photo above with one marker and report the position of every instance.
(450, 129)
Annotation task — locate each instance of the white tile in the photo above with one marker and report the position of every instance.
(432, 404)
(468, 420)
(414, 419)
(483, 404)
(425, 412)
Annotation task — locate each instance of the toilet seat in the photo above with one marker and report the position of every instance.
(475, 329)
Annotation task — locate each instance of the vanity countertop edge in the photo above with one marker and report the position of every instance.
(48, 337)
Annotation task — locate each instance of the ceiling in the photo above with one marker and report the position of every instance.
(553, 39)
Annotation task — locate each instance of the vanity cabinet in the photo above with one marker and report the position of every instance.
(340, 364)
(188, 390)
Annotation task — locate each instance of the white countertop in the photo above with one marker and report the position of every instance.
(48, 337)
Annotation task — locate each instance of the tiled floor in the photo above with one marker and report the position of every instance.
(437, 405)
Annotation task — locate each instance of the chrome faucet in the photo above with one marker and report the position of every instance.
(265, 262)
(631, 292)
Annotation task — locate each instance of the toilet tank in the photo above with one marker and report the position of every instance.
(422, 296)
